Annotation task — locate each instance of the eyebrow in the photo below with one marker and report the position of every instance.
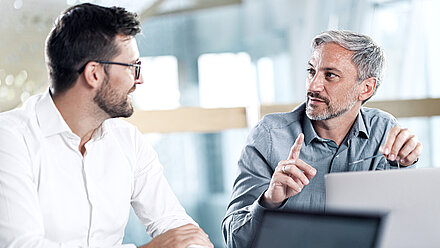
(327, 68)
(332, 69)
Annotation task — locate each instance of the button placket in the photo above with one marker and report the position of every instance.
(89, 190)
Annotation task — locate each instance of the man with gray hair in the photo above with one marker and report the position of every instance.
(328, 131)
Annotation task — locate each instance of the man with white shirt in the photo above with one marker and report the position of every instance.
(69, 169)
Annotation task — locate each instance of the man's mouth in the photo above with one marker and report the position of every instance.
(315, 99)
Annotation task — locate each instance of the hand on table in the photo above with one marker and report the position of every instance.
(181, 237)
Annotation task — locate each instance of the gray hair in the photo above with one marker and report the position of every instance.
(368, 57)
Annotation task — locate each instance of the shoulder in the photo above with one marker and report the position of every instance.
(277, 125)
(378, 122)
(20, 119)
(119, 124)
(19, 128)
(283, 120)
(13, 118)
(373, 115)
(131, 141)
(122, 129)
(124, 132)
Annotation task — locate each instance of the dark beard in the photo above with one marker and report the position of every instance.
(107, 99)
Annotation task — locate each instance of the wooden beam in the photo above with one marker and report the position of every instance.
(276, 108)
(409, 108)
(218, 119)
(399, 108)
(189, 120)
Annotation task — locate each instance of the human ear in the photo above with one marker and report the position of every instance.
(367, 88)
(93, 74)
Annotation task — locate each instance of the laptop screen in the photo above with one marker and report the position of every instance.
(309, 229)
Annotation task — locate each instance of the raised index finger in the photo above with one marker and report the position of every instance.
(296, 148)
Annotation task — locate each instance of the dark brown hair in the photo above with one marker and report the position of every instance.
(82, 33)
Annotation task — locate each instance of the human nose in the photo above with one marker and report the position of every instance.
(316, 83)
(140, 80)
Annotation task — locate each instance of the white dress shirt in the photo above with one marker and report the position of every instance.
(52, 196)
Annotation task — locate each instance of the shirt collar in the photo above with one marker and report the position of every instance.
(52, 122)
(49, 118)
(362, 129)
(309, 131)
(356, 130)
(102, 130)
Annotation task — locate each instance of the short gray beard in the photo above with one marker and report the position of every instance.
(330, 112)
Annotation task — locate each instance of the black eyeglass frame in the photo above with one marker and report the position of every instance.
(137, 66)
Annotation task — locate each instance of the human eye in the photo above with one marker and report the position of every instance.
(311, 72)
(330, 76)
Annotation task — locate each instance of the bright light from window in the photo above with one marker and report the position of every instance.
(388, 20)
(160, 89)
(431, 20)
(266, 80)
(226, 80)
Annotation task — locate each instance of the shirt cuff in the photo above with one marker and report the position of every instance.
(257, 209)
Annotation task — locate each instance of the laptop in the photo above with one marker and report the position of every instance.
(412, 197)
(296, 229)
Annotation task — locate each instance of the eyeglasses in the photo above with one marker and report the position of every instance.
(137, 66)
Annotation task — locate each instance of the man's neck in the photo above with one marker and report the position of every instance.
(336, 128)
(80, 114)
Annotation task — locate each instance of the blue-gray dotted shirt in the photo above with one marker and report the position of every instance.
(270, 141)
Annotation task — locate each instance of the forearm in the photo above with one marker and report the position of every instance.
(153, 200)
(28, 240)
(25, 240)
(254, 175)
(240, 226)
(157, 207)
(187, 236)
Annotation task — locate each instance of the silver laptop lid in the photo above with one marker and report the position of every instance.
(411, 195)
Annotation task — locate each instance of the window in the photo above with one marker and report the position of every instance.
(160, 89)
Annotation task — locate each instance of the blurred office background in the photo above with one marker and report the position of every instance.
(212, 68)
